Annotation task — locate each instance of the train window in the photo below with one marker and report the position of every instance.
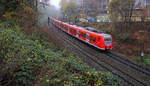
(99, 38)
(84, 35)
(92, 39)
(80, 34)
(65, 28)
(107, 39)
(69, 29)
(74, 31)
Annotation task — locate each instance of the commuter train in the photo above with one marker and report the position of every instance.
(89, 35)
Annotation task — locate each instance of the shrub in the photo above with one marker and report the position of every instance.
(147, 60)
(123, 37)
(29, 59)
(7, 24)
(73, 73)
(19, 52)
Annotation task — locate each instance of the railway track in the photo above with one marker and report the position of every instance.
(128, 62)
(120, 68)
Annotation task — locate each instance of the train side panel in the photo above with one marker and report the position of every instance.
(95, 39)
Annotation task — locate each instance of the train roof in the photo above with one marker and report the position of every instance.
(89, 29)
(93, 30)
(86, 28)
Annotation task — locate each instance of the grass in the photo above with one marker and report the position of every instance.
(145, 60)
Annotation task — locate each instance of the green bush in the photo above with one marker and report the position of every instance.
(29, 59)
(147, 60)
(84, 75)
(123, 36)
(19, 52)
(73, 73)
(7, 24)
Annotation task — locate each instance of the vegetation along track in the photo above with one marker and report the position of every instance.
(128, 62)
(130, 75)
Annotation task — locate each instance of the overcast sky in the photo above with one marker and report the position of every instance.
(55, 3)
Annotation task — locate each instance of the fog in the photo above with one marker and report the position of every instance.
(55, 3)
(51, 10)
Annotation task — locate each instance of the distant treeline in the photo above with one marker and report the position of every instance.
(12, 5)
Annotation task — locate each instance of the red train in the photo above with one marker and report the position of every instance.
(89, 35)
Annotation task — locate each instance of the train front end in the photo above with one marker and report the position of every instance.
(108, 41)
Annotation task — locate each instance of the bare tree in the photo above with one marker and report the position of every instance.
(44, 3)
(70, 10)
(122, 11)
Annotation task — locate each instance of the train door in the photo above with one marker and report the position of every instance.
(87, 37)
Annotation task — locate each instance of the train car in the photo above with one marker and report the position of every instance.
(89, 35)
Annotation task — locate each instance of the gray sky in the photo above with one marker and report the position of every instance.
(55, 3)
